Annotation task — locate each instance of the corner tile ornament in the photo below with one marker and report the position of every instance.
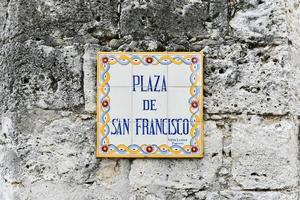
(150, 104)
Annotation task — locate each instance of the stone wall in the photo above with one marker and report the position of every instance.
(47, 98)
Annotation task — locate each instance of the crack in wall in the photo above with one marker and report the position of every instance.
(119, 12)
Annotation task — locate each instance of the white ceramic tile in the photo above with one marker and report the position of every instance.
(179, 74)
(120, 74)
(183, 136)
(119, 132)
(149, 104)
(180, 140)
(149, 77)
(120, 102)
(144, 134)
(179, 132)
(179, 102)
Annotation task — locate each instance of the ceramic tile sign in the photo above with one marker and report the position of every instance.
(150, 104)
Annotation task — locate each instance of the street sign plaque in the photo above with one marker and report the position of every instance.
(150, 104)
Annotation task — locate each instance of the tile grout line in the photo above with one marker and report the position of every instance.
(131, 135)
(167, 141)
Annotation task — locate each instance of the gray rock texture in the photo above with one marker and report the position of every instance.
(47, 98)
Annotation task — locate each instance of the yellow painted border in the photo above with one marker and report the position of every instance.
(201, 155)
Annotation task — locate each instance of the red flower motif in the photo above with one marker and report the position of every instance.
(194, 104)
(149, 60)
(149, 149)
(105, 59)
(105, 103)
(104, 148)
(194, 149)
(194, 60)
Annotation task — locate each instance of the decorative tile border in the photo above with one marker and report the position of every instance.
(106, 60)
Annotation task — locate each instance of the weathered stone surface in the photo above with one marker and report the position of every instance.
(259, 195)
(56, 153)
(264, 21)
(61, 22)
(3, 16)
(293, 14)
(252, 75)
(264, 153)
(89, 76)
(173, 22)
(242, 80)
(47, 98)
(42, 76)
(172, 177)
